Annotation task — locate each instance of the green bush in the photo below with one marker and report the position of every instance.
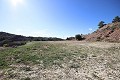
(101, 24)
(5, 45)
(27, 78)
(116, 19)
(3, 63)
(78, 37)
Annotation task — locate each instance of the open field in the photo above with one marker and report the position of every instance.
(61, 60)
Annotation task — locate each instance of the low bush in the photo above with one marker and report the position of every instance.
(12, 44)
(18, 43)
(79, 37)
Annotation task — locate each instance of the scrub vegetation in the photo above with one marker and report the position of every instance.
(61, 60)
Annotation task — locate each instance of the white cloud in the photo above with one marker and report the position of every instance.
(90, 29)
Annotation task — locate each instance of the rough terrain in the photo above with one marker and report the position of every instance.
(109, 32)
(61, 60)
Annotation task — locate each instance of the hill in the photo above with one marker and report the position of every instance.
(109, 32)
(8, 39)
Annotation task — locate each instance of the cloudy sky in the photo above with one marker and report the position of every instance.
(55, 18)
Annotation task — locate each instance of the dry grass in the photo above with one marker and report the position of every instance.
(62, 60)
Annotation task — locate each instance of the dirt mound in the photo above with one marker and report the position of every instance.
(109, 32)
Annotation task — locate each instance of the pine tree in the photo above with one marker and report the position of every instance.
(116, 19)
(101, 24)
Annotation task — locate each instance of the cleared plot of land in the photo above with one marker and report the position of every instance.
(61, 60)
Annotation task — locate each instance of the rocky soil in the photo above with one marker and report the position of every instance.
(109, 32)
(86, 61)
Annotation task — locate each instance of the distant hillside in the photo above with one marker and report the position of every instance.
(109, 32)
(8, 39)
(11, 37)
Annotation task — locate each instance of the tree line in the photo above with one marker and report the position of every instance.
(7, 39)
(102, 23)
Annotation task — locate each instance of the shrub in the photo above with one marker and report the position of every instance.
(70, 38)
(116, 19)
(3, 63)
(99, 39)
(27, 78)
(78, 37)
(101, 24)
(5, 45)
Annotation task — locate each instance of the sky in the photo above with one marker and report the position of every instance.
(55, 18)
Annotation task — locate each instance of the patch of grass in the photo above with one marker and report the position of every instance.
(33, 53)
(3, 63)
(27, 78)
(84, 55)
(75, 66)
(27, 68)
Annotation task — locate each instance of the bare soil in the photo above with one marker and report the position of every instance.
(89, 61)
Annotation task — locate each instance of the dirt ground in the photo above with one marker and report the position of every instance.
(91, 61)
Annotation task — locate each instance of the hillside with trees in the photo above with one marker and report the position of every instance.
(106, 32)
(7, 39)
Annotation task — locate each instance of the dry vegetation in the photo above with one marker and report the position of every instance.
(61, 60)
(109, 32)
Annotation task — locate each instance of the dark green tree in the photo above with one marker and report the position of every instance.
(78, 37)
(116, 19)
(101, 24)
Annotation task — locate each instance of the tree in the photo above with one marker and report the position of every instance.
(78, 37)
(70, 38)
(101, 24)
(116, 19)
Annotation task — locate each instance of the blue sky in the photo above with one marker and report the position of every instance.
(55, 18)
